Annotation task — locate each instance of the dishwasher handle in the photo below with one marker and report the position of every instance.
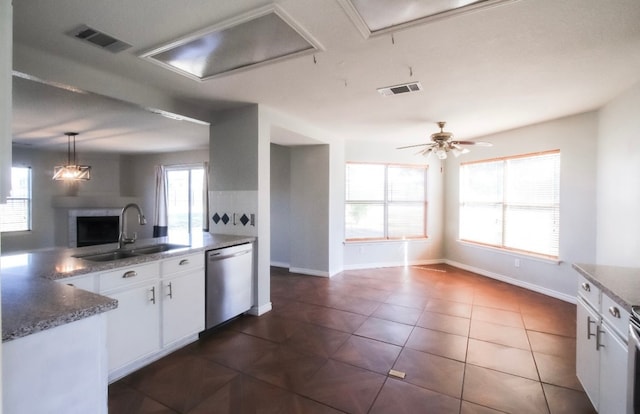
(214, 257)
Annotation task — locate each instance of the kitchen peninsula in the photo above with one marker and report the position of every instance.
(46, 323)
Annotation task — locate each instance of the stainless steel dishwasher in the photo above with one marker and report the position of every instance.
(228, 284)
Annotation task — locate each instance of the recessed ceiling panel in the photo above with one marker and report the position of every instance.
(378, 16)
(253, 39)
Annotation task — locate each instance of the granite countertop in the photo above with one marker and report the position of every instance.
(622, 284)
(33, 301)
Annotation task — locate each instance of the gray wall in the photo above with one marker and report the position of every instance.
(280, 205)
(576, 138)
(50, 223)
(234, 150)
(618, 218)
(309, 247)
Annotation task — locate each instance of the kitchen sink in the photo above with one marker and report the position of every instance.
(108, 256)
(125, 254)
(158, 248)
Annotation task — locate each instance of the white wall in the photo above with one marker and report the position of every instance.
(576, 138)
(618, 218)
(280, 205)
(398, 253)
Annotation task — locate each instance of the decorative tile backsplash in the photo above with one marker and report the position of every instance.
(233, 212)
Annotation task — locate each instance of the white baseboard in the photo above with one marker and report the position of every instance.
(310, 272)
(280, 264)
(513, 281)
(260, 310)
(393, 264)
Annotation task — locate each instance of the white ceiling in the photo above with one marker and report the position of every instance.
(516, 64)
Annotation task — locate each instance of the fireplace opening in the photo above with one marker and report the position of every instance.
(92, 230)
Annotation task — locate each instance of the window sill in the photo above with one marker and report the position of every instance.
(514, 253)
(380, 241)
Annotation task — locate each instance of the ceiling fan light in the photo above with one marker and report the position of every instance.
(441, 153)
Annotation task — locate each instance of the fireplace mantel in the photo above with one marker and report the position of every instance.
(93, 201)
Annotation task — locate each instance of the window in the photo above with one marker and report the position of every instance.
(385, 201)
(16, 213)
(185, 199)
(512, 203)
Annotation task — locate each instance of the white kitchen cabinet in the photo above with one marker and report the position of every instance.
(587, 356)
(601, 349)
(182, 307)
(133, 328)
(161, 307)
(613, 372)
(86, 282)
(182, 298)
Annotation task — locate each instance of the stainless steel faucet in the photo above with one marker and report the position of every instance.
(122, 237)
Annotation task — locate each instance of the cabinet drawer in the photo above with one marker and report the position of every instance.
(128, 276)
(182, 263)
(589, 291)
(86, 282)
(616, 316)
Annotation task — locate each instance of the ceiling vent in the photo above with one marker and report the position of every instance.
(399, 89)
(99, 39)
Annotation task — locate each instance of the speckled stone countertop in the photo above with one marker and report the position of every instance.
(33, 301)
(622, 284)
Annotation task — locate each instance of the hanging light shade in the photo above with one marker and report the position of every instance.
(72, 171)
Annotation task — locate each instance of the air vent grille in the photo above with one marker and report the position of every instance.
(399, 89)
(99, 39)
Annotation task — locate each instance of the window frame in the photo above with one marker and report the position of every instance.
(504, 204)
(28, 199)
(189, 168)
(385, 203)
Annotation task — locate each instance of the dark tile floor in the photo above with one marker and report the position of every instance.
(468, 344)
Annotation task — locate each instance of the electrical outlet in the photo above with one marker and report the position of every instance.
(517, 263)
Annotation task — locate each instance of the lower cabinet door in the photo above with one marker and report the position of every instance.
(182, 306)
(613, 372)
(133, 328)
(587, 356)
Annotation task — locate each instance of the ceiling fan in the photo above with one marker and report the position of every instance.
(442, 143)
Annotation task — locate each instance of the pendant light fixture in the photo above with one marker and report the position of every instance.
(71, 171)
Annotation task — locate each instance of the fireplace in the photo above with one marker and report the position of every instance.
(92, 230)
(89, 227)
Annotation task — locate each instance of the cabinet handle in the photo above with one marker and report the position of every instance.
(130, 273)
(183, 262)
(170, 294)
(153, 295)
(614, 311)
(599, 343)
(589, 322)
(586, 287)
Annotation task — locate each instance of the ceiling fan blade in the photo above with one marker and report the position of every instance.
(477, 143)
(426, 152)
(417, 145)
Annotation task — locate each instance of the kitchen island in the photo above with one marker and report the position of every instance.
(57, 338)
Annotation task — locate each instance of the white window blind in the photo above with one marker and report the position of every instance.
(385, 201)
(512, 203)
(15, 215)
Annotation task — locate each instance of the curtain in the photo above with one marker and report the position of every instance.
(160, 217)
(205, 197)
